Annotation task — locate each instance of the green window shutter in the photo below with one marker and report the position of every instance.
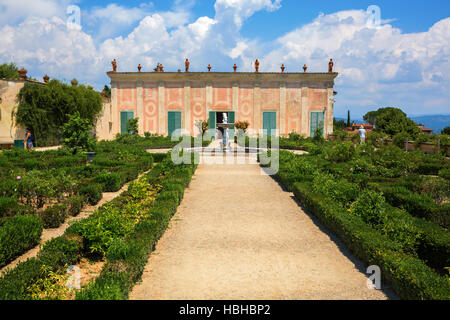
(317, 120)
(273, 123)
(212, 124)
(231, 119)
(174, 122)
(270, 122)
(124, 116)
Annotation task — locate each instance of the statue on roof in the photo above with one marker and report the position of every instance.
(114, 65)
(330, 66)
(257, 65)
(187, 64)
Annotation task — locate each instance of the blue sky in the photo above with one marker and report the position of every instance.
(402, 61)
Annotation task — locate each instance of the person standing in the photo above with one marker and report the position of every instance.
(29, 140)
(362, 134)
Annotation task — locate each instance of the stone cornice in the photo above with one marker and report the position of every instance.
(221, 76)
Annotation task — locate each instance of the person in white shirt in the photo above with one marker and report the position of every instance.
(362, 134)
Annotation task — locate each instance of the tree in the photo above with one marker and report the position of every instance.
(349, 123)
(392, 121)
(371, 117)
(107, 91)
(132, 125)
(446, 130)
(338, 125)
(9, 71)
(77, 134)
(46, 108)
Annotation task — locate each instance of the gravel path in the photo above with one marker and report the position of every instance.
(238, 235)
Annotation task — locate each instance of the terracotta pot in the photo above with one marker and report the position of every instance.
(22, 73)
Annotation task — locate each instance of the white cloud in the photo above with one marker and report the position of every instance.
(402, 69)
(14, 11)
(378, 66)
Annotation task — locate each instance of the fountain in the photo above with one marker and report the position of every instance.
(225, 125)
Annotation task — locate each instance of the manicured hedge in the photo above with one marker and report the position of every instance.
(410, 277)
(418, 205)
(92, 193)
(17, 235)
(111, 182)
(126, 258)
(75, 205)
(54, 216)
(58, 253)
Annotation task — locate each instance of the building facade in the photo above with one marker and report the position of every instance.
(165, 101)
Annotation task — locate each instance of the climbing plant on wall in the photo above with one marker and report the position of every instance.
(46, 108)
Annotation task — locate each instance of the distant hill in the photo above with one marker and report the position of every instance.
(435, 122)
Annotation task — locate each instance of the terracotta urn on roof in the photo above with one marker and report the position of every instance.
(46, 78)
(139, 67)
(209, 68)
(282, 68)
(22, 73)
(235, 67)
(305, 68)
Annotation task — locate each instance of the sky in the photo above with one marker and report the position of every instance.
(387, 53)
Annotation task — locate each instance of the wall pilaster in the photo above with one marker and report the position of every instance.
(329, 112)
(140, 106)
(257, 106)
(282, 115)
(305, 112)
(162, 109)
(187, 110)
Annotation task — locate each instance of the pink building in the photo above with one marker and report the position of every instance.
(279, 102)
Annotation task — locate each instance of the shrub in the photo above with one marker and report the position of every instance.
(340, 190)
(409, 276)
(75, 205)
(445, 173)
(103, 227)
(14, 282)
(8, 207)
(60, 252)
(129, 173)
(92, 193)
(17, 235)
(339, 151)
(399, 139)
(159, 157)
(111, 182)
(370, 206)
(77, 134)
(54, 216)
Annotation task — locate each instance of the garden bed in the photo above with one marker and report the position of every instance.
(121, 233)
(342, 186)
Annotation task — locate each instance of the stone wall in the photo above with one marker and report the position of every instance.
(8, 95)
